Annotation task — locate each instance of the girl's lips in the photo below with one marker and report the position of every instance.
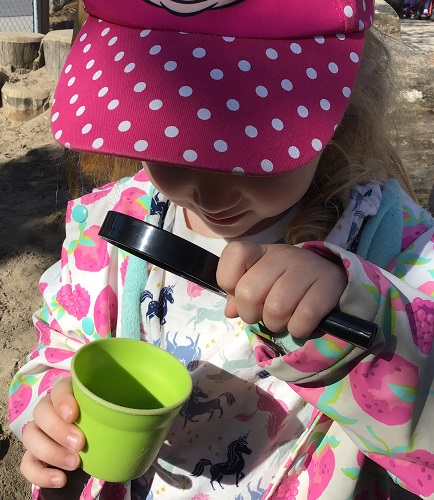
(222, 221)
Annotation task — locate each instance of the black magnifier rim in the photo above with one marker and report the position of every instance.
(161, 248)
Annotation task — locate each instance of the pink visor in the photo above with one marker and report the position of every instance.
(255, 87)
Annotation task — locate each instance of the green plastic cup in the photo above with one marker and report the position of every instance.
(128, 392)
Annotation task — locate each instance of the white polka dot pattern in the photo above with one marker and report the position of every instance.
(208, 102)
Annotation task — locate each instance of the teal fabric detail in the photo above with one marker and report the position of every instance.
(381, 236)
(136, 277)
(406, 393)
(135, 282)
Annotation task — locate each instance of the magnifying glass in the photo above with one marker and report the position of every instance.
(185, 259)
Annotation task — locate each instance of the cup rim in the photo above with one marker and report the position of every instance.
(123, 409)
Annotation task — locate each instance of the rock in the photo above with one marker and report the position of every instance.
(56, 45)
(23, 103)
(386, 18)
(20, 50)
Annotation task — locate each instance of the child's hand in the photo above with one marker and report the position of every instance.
(51, 439)
(285, 286)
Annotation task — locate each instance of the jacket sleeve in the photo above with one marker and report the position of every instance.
(80, 294)
(74, 313)
(382, 398)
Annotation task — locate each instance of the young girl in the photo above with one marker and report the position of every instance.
(262, 134)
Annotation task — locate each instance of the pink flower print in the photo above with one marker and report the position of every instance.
(421, 318)
(114, 491)
(200, 496)
(43, 332)
(131, 204)
(385, 388)
(50, 377)
(75, 302)
(106, 311)
(19, 401)
(91, 252)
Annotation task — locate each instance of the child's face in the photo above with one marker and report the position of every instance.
(232, 205)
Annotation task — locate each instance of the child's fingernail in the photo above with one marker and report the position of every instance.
(66, 412)
(71, 461)
(73, 441)
(57, 481)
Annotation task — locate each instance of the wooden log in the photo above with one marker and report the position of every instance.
(56, 45)
(23, 103)
(431, 201)
(20, 50)
(3, 79)
(80, 17)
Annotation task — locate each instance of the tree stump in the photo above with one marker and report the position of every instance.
(23, 103)
(57, 45)
(20, 50)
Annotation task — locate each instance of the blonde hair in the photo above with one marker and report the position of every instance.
(360, 150)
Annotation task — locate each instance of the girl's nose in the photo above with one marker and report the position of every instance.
(213, 197)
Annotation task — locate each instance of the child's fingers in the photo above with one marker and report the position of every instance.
(259, 287)
(236, 258)
(231, 307)
(63, 400)
(46, 450)
(39, 474)
(47, 419)
(317, 302)
(280, 303)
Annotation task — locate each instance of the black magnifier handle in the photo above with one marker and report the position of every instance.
(185, 259)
